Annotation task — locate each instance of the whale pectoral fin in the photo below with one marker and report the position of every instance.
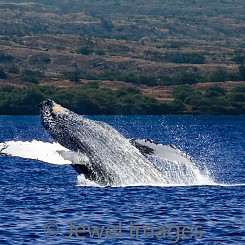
(35, 150)
(170, 152)
(76, 158)
(142, 146)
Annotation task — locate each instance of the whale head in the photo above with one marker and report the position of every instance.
(71, 131)
(62, 124)
(51, 111)
(52, 116)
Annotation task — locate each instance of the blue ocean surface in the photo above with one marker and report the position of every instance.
(43, 204)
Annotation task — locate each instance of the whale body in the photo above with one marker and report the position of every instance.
(111, 158)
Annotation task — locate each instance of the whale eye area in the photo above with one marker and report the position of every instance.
(53, 114)
(50, 102)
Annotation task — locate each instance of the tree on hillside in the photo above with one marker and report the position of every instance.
(218, 76)
(182, 92)
(242, 72)
(240, 59)
(188, 58)
(85, 51)
(214, 91)
(3, 74)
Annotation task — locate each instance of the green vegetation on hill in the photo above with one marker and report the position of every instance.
(86, 99)
(158, 79)
(215, 100)
(90, 99)
(187, 48)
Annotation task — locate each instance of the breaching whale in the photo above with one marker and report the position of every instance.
(101, 154)
(110, 158)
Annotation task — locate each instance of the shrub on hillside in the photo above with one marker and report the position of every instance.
(5, 57)
(239, 59)
(3, 74)
(30, 79)
(182, 92)
(188, 58)
(85, 51)
(14, 69)
(73, 76)
(31, 76)
(242, 72)
(214, 91)
(218, 76)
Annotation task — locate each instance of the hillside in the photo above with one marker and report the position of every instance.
(154, 46)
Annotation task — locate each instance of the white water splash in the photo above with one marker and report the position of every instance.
(177, 169)
(82, 181)
(181, 173)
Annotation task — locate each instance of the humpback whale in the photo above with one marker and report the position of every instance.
(99, 153)
(111, 158)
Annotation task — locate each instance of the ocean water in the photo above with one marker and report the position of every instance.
(45, 204)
